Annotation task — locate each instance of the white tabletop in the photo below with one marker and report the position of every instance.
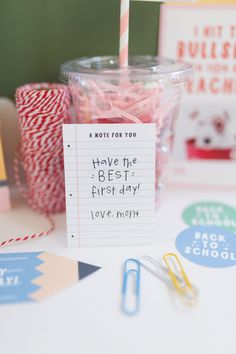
(86, 318)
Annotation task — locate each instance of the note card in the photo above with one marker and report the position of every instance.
(110, 183)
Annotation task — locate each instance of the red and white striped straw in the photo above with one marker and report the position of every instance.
(124, 33)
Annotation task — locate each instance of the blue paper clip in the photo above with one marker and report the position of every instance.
(129, 274)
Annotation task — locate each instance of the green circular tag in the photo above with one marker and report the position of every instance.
(210, 214)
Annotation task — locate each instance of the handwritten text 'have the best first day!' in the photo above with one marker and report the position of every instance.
(113, 169)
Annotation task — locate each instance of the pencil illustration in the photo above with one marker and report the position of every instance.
(33, 276)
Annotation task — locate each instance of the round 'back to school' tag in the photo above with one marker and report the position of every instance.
(210, 214)
(208, 246)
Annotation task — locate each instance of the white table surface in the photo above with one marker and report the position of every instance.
(86, 318)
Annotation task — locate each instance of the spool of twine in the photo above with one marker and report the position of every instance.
(42, 109)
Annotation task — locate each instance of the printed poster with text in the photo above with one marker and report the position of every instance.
(204, 36)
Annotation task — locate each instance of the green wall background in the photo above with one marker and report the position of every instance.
(36, 36)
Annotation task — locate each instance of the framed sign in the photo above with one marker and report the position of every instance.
(204, 35)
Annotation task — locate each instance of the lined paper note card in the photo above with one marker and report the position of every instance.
(110, 183)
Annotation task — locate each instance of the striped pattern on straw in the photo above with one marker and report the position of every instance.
(124, 32)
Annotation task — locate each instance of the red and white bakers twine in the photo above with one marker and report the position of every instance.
(124, 33)
(42, 109)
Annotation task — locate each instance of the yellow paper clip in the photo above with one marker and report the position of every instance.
(179, 278)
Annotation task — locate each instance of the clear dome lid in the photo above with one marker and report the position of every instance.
(161, 69)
